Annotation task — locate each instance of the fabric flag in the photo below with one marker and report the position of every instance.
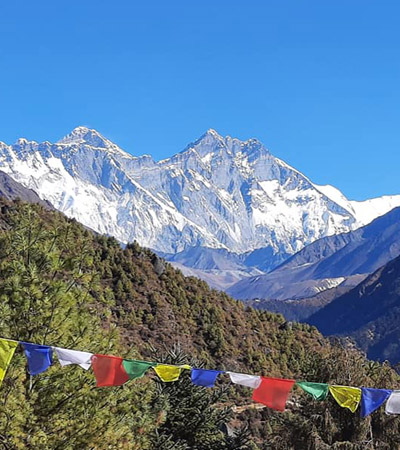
(204, 377)
(393, 404)
(7, 349)
(318, 391)
(40, 357)
(109, 370)
(251, 381)
(273, 392)
(372, 399)
(346, 396)
(169, 373)
(136, 369)
(66, 357)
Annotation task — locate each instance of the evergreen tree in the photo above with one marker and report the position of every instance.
(46, 280)
(194, 417)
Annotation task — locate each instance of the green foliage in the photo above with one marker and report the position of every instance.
(47, 275)
(194, 417)
(62, 285)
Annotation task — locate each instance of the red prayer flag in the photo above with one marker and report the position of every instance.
(273, 392)
(109, 370)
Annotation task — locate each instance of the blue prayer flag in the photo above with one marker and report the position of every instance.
(204, 377)
(372, 399)
(40, 357)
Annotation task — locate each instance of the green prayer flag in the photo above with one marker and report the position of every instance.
(136, 369)
(318, 391)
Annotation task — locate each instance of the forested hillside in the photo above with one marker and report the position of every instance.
(62, 285)
(369, 313)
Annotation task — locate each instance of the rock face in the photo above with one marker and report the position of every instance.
(219, 193)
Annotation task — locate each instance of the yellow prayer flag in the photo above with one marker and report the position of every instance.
(346, 396)
(7, 349)
(169, 373)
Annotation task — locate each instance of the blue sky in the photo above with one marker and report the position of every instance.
(317, 81)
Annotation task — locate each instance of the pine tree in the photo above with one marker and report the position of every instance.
(194, 417)
(46, 280)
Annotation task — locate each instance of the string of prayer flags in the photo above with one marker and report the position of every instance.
(112, 370)
(204, 377)
(318, 391)
(393, 404)
(273, 392)
(40, 357)
(372, 399)
(169, 373)
(346, 396)
(66, 357)
(7, 349)
(251, 381)
(136, 369)
(109, 370)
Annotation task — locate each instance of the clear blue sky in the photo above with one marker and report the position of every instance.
(317, 81)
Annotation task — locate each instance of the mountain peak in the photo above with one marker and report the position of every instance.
(84, 135)
(212, 132)
(212, 135)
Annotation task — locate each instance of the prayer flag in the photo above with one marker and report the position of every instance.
(251, 381)
(318, 391)
(169, 373)
(7, 349)
(66, 357)
(372, 399)
(346, 396)
(273, 392)
(109, 370)
(40, 357)
(204, 377)
(136, 369)
(393, 404)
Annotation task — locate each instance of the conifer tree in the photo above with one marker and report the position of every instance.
(46, 280)
(194, 417)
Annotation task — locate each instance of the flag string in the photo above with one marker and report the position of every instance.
(111, 370)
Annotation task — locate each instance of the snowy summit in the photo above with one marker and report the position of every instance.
(220, 193)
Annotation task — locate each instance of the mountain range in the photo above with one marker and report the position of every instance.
(230, 212)
(344, 259)
(223, 197)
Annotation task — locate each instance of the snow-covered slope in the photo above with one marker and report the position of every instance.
(217, 193)
(365, 211)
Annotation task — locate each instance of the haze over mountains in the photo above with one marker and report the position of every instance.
(222, 205)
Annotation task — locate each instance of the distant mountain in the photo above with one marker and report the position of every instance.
(219, 193)
(369, 313)
(12, 190)
(344, 259)
(139, 308)
(299, 310)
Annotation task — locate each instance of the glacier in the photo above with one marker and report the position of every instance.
(218, 193)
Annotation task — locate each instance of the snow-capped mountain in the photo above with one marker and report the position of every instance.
(220, 193)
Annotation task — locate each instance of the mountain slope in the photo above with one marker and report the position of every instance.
(12, 190)
(343, 259)
(90, 293)
(220, 193)
(370, 313)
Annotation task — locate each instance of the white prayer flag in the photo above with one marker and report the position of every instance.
(393, 403)
(67, 357)
(251, 381)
